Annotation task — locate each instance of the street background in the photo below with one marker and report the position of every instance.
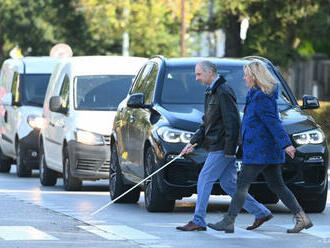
(35, 216)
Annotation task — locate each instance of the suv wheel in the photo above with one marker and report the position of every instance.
(22, 169)
(5, 163)
(116, 185)
(154, 200)
(70, 183)
(317, 205)
(47, 176)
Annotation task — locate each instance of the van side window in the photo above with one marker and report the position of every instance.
(64, 92)
(15, 88)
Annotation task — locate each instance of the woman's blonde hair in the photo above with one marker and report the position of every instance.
(261, 76)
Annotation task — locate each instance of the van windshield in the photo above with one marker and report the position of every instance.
(33, 88)
(100, 92)
(181, 87)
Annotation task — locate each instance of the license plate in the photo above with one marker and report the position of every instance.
(238, 165)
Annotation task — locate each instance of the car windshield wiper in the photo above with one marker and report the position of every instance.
(285, 109)
(34, 103)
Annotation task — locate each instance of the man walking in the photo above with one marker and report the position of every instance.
(218, 134)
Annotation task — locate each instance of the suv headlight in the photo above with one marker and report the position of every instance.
(315, 136)
(89, 138)
(172, 135)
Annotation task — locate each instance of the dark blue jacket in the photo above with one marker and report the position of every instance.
(263, 136)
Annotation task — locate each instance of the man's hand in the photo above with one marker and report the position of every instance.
(290, 150)
(188, 149)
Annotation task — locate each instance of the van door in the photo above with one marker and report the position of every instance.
(55, 133)
(11, 118)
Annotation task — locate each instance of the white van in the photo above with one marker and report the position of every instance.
(79, 108)
(23, 84)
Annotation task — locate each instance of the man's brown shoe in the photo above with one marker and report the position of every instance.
(191, 226)
(259, 222)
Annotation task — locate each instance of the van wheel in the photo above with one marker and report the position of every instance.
(5, 163)
(154, 200)
(70, 183)
(116, 185)
(317, 205)
(47, 176)
(22, 169)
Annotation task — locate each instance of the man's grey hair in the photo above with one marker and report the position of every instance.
(208, 65)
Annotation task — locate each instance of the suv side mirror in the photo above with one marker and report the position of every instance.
(55, 104)
(136, 101)
(7, 99)
(310, 102)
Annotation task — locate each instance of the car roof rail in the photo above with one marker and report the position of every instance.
(259, 58)
(158, 56)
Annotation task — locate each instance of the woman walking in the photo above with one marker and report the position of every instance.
(264, 145)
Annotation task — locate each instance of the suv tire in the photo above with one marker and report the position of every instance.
(315, 206)
(70, 183)
(21, 167)
(116, 185)
(155, 201)
(47, 176)
(5, 163)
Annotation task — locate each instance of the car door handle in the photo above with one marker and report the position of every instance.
(132, 119)
(51, 124)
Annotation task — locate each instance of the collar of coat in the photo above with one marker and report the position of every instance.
(212, 90)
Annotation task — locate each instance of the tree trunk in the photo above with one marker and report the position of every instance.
(233, 41)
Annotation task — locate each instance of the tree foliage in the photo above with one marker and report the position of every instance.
(153, 26)
(280, 30)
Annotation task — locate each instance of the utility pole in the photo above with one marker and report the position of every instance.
(183, 28)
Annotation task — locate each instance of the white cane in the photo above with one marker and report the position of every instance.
(155, 172)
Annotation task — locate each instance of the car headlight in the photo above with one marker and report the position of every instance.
(89, 138)
(36, 122)
(315, 136)
(172, 135)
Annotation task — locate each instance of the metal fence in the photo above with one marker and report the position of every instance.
(311, 77)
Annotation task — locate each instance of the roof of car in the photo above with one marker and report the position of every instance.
(105, 65)
(34, 65)
(219, 61)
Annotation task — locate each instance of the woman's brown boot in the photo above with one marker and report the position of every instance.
(303, 222)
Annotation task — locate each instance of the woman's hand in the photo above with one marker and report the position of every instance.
(290, 150)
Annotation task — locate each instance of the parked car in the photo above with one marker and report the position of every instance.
(79, 108)
(164, 108)
(23, 84)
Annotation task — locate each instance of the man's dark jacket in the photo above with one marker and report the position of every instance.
(221, 120)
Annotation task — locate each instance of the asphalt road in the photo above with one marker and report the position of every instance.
(35, 216)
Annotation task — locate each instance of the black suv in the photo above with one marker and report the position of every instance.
(164, 108)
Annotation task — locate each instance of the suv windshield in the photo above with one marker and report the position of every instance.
(33, 88)
(100, 92)
(181, 87)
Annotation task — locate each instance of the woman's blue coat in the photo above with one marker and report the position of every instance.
(263, 136)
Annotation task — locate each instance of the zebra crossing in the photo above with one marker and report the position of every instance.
(123, 232)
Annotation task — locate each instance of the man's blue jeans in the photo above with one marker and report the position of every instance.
(217, 166)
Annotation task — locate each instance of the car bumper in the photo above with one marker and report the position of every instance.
(89, 162)
(305, 175)
(30, 148)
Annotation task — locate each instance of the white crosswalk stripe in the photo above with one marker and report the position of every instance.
(23, 233)
(239, 233)
(321, 231)
(118, 232)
